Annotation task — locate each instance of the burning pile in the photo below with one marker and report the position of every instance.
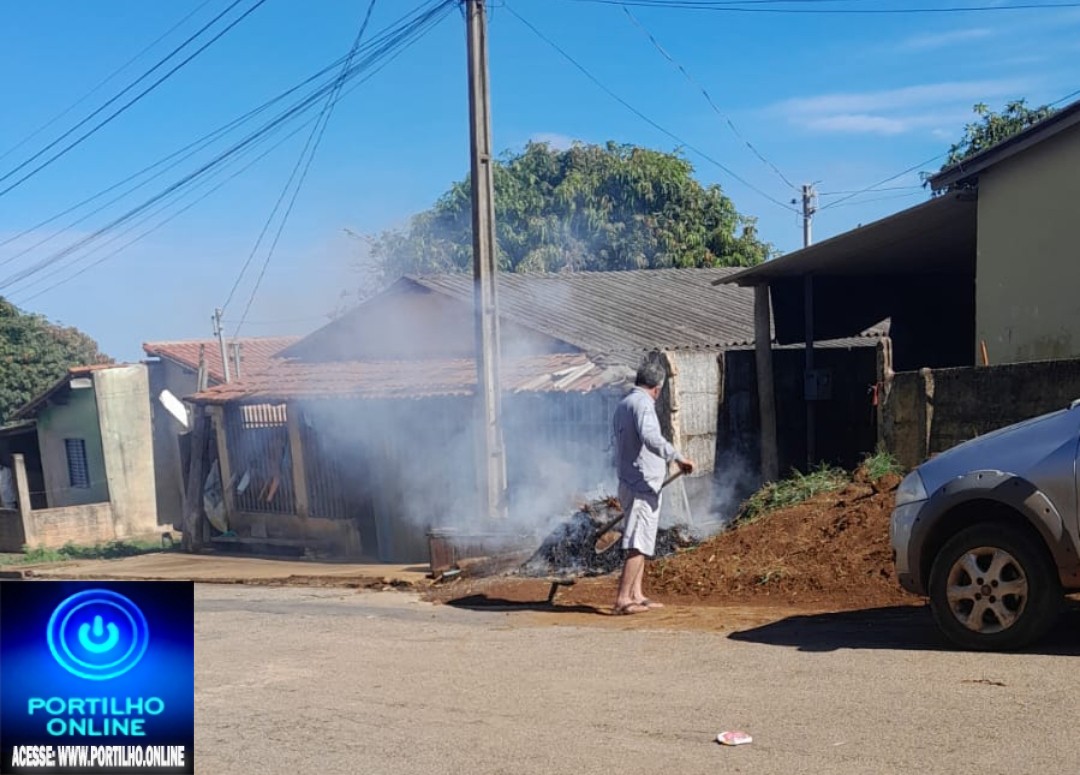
(571, 547)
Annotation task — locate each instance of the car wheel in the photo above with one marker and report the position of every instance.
(992, 588)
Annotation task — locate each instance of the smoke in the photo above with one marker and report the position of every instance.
(406, 462)
(715, 500)
(410, 465)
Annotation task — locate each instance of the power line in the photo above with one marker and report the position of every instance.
(384, 48)
(708, 97)
(759, 6)
(102, 83)
(644, 117)
(1066, 98)
(148, 216)
(402, 43)
(313, 141)
(285, 321)
(126, 106)
(881, 198)
(877, 186)
(159, 225)
(185, 153)
(889, 179)
(862, 191)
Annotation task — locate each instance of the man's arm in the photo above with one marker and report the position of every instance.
(648, 428)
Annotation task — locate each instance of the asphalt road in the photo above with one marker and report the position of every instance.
(292, 680)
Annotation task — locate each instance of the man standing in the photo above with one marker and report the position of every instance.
(643, 455)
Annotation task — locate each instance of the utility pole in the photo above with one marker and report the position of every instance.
(809, 207)
(237, 358)
(219, 332)
(492, 469)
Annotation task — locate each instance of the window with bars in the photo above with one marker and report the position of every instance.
(78, 470)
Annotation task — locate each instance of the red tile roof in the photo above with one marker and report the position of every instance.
(296, 380)
(256, 353)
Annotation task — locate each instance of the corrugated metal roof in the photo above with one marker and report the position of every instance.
(935, 237)
(612, 312)
(256, 353)
(296, 380)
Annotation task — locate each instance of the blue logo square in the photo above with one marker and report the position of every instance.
(97, 677)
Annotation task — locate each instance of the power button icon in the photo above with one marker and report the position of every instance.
(97, 634)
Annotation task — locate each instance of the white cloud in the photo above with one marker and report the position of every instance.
(857, 122)
(894, 111)
(906, 97)
(557, 141)
(943, 39)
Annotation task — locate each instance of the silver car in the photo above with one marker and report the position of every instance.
(988, 530)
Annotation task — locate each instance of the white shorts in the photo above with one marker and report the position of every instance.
(642, 512)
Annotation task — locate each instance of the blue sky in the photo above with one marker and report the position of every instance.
(840, 100)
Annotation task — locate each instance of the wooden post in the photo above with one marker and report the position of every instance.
(221, 437)
(204, 370)
(883, 390)
(926, 415)
(811, 407)
(770, 458)
(296, 450)
(192, 539)
(22, 489)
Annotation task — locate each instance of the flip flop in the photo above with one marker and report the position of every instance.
(650, 603)
(632, 608)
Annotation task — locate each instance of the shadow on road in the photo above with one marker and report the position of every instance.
(900, 627)
(486, 603)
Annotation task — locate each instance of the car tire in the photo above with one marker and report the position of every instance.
(993, 588)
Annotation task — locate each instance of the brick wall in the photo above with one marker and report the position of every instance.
(929, 411)
(87, 525)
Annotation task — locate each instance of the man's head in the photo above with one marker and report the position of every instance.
(650, 378)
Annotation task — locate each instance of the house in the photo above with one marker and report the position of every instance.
(979, 275)
(363, 433)
(1028, 194)
(82, 454)
(182, 368)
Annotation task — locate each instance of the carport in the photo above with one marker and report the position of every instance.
(915, 268)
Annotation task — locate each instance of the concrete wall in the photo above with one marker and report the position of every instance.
(83, 525)
(927, 412)
(127, 443)
(168, 479)
(694, 404)
(75, 419)
(1027, 307)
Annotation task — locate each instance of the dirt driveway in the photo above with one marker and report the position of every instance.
(295, 680)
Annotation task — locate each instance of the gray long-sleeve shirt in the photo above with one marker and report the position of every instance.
(642, 452)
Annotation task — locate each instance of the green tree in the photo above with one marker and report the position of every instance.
(586, 208)
(991, 128)
(34, 353)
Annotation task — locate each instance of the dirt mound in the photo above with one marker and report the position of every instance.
(833, 548)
